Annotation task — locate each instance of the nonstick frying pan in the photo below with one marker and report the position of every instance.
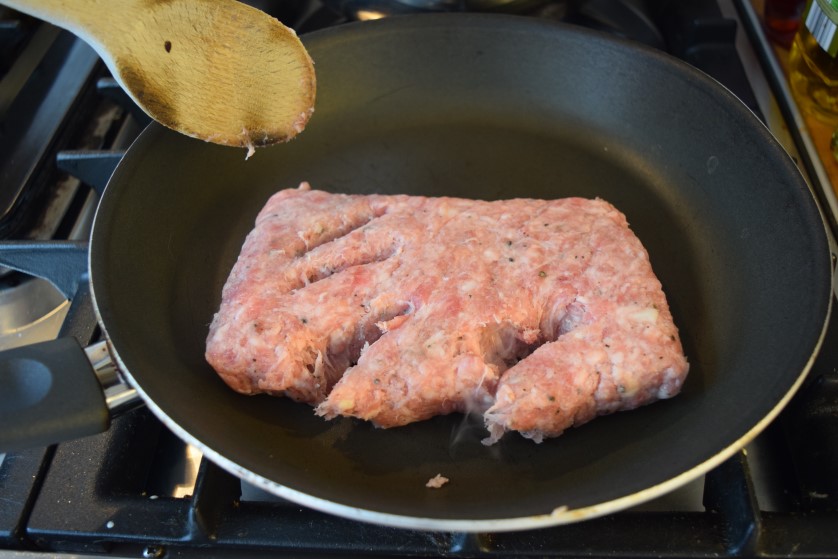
(482, 106)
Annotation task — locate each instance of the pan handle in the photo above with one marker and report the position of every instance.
(50, 392)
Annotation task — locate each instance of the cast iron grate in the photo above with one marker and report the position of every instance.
(93, 499)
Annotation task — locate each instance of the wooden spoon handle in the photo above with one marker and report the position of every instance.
(84, 18)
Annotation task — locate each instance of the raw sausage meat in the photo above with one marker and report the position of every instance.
(537, 314)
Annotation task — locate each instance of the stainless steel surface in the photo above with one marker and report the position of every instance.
(119, 396)
(30, 312)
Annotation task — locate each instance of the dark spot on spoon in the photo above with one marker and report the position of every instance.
(168, 46)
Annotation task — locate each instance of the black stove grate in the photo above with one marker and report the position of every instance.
(93, 499)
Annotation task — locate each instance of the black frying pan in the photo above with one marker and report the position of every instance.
(483, 107)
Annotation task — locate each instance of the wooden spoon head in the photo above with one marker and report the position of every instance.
(220, 71)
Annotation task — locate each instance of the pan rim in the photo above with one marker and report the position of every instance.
(559, 516)
(556, 517)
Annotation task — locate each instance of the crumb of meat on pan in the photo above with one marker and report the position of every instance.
(437, 481)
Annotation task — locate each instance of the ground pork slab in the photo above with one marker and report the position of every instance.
(538, 314)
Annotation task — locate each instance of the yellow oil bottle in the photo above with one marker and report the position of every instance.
(813, 64)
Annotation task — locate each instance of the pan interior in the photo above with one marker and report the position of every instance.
(440, 105)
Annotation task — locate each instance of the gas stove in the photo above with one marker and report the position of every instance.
(139, 491)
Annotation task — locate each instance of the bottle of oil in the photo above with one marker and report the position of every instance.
(813, 64)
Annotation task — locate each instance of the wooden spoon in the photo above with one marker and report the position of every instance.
(217, 70)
